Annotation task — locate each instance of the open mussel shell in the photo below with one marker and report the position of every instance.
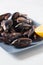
(23, 19)
(5, 16)
(6, 24)
(21, 42)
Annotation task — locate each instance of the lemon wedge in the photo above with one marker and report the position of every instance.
(39, 30)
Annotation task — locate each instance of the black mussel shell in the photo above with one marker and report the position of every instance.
(19, 28)
(22, 27)
(14, 17)
(11, 36)
(21, 42)
(17, 18)
(5, 16)
(30, 31)
(21, 19)
(35, 37)
(1, 29)
(6, 24)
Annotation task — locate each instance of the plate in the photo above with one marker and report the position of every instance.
(12, 49)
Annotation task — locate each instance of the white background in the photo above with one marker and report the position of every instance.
(34, 9)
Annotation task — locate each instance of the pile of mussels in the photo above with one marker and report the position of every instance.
(17, 30)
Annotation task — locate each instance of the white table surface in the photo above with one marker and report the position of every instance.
(34, 9)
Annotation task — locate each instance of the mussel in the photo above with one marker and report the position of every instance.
(6, 24)
(4, 16)
(1, 29)
(17, 18)
(11, 36)
(22, 42)
(22, 27)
